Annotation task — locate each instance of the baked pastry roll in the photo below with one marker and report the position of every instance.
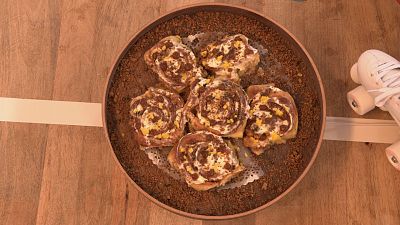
(217, 106)
(175, 64)
(273, 118)
(157, 118)
(204, 160)
(230, 57)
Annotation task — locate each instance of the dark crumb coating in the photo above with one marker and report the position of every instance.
(283, 163)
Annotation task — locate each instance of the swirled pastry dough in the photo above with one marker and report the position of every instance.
(230, 57)
(217, 106)
(273, 118)
(205, 160)
(174, 62)
(157, 118)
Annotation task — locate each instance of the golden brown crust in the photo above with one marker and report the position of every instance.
(204, 160)
(218, 106)
(255, 89)
(230, 57)
(273, 118)
(174, 62)
(157, 118)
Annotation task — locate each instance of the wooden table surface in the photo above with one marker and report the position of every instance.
(62, 50)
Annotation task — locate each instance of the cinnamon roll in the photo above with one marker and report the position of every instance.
(157, 118)
(204, 160)
(174, 62)
(217, 106)
(273, 118)
(230, 57)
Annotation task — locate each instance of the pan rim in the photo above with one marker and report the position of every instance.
(221, 7)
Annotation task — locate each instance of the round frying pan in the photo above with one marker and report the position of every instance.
(294, 44)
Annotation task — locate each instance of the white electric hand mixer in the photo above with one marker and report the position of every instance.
(379, 77)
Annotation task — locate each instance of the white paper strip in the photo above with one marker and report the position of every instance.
(90, 114)
(50, 112)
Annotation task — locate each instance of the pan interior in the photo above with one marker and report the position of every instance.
(285, 65)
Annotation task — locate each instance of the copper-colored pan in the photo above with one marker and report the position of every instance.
(296, 46)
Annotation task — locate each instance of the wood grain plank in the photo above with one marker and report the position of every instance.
(328, 29)
(79, 166)
(247, 220)
(368, 196)
(63, 51)
(158, 215)
(21, 166)
(27, 39)
(90, 38)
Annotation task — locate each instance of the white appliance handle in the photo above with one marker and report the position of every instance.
(50, 112)
(90, 114)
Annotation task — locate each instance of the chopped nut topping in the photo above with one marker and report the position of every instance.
(275, 137)
(278, 112)
(145, 131)
(258, 122)
(163, 136)
(138, 108)
(237, 44)
(251, 112)
(226, 65)
(150, 115)
(264, 99)
(226, 105)
(184, 77)
(189, 169)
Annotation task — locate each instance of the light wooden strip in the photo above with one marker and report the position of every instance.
(50, 112)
